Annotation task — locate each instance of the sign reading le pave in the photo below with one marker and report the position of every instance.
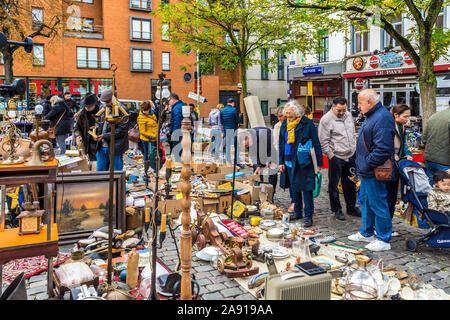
(390, 60)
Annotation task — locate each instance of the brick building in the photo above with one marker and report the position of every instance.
(98, 33)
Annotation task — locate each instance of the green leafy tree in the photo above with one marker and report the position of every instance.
(231, 34)
(18, 21)
(83, 208)
(424, 43)
(66, 208)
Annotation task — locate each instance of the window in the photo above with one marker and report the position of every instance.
(145, 5)
(165, 32)
(165, 1)
(93, 58)
(37, 15)
(38, 55)
(85, 1)
(440, 21)
(397, 23)
(264, 64)
(141, 29)
(81, 24)
(360, 38)
(166, 61)
(141, 59)
(281, 66)
(1, 59)
(228, 38)
(324, 48)
(265, 107)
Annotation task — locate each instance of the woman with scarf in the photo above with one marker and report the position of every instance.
(297, 135)
(401, 114)
(148, 130)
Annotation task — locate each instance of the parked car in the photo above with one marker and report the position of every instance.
(133, 109)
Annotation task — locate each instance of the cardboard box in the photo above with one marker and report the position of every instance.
(135, 220)
(75, 164)
(208, 205)
(204, 168)
(227, 169)
(170, 205)
(224, 203)
(266, 192)
(245, 198)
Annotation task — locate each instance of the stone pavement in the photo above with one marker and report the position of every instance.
(429, 264)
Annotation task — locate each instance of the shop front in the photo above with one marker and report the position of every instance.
(38, 88)
(392, 75)
(316, 86)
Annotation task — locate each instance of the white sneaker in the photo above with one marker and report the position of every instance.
(378, 245)
(359, 237)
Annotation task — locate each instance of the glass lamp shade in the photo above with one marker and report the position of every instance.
(39, 108)
(165, 92)
(158, 93)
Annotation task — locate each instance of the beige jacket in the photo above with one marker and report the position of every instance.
(337, 135)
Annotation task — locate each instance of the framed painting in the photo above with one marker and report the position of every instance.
(81, 203)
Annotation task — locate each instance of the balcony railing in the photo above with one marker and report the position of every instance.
(95, 33)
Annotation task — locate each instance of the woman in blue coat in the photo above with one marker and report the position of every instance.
(297, 172)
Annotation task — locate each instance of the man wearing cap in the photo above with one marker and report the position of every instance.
(85, 123)
(176, 117)
(104, 137)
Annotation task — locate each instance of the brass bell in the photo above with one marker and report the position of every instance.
(36, 153)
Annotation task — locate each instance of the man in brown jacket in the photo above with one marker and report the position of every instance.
(338, 140)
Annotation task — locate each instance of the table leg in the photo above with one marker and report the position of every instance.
(1, 277)
(50, 277)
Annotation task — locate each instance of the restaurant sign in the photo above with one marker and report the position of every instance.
(390, 60)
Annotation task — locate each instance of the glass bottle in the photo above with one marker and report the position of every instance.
(360, 284)
(305, 254)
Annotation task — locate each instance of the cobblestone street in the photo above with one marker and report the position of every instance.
(429, 264)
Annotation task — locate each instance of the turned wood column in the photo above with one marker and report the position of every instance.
(186, 234)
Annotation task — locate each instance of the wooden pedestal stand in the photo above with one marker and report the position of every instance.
(186, 234)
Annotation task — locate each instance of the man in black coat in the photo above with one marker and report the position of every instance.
(104, 137)
(86, 122)
(61, 117)
(71, 104)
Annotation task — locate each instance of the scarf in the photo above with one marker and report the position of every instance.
(291, 125)
(14, 198)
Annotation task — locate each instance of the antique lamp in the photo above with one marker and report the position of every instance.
(161, 93)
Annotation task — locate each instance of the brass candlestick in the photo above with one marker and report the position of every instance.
(12, 136)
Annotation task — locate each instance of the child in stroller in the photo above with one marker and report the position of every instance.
(415, 190)
(439, 197)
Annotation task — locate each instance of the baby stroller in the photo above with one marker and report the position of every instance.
(414, 189)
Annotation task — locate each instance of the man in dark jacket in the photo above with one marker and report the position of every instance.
(47, 107)
(230, 120)
(104, 137)
(375, 145)
(260, 153)
(86, 122)
(176, 117)
(71, 104)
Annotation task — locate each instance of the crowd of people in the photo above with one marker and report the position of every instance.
(292, 150)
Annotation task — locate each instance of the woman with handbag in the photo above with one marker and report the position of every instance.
(61, 122)
(147, 122)
(401, 114)
(298, 136)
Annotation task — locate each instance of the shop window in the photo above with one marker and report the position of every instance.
(265, 107)
(144, 5)
(141, 59)
(319, 88)
(165, 32)
(387, 40)
(38, 55)
(93, 58)
(37, 15)
(324, 49)
(141, 29)
(166, 61)
(319, 103)
(264, 64)
(333, 87)
(360, 38)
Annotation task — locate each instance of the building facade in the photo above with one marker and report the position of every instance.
(369, 60)
(99, 33)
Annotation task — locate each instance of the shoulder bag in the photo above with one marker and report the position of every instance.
(134, 135)
(384, 171)
(304, 158)
(51, 130)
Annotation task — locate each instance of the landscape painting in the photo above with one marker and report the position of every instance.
(82, 206)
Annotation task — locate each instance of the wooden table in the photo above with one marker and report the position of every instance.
(15, 246)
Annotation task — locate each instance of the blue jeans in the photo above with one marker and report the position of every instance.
(103, 160)
(375, 209)
(61, 141)
(216, 141)
(431, 167)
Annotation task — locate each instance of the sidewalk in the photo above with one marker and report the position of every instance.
(429, 264)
